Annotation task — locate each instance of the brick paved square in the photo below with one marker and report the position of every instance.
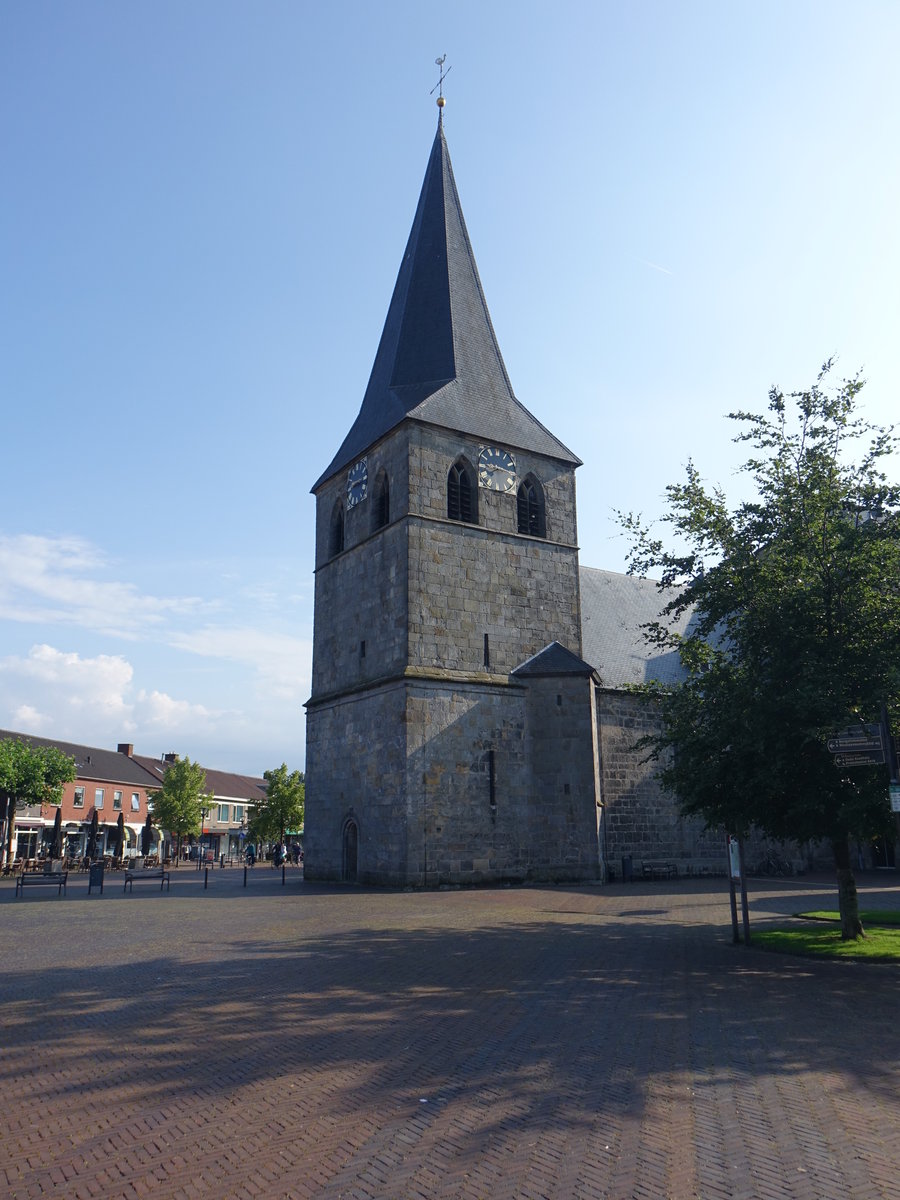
(303, 1041)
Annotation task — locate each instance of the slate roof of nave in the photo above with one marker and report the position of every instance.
(438, 360)
(614, 607)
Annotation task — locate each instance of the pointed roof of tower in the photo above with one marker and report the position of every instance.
(438, 360)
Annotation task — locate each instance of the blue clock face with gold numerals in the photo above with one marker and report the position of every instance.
(496, 469)
(357, 483)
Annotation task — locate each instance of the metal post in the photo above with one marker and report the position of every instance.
(245, 874)
(745, 908)
(205, 878)
(282, 874)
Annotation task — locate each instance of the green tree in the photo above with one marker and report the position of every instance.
(795, 597)
(179, 803)
(30, 775)
(282, 810)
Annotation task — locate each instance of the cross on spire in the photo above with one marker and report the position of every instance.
(439, 86)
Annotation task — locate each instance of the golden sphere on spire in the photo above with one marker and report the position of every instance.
(441, 101)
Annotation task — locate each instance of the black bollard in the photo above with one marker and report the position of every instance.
(205, 878)
(245, 874)
(282, 874)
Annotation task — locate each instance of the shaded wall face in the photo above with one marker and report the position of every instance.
(360, 629)
(468, 783)
(564, 763)
(356, 769)
(639, 818)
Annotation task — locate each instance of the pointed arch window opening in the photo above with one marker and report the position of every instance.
(461, 504)
(531, 516)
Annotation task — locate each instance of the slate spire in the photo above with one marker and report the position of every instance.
(438, 360)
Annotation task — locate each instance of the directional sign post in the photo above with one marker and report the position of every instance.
(872, 758)
(860, 747)
(865, 738)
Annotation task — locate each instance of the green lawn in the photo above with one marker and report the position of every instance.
(880, 945)
(868, 916)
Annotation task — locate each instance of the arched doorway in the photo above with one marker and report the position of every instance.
(351, 847)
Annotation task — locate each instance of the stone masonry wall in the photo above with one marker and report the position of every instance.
(563, 829)
(451, 732)
(640, 819)
(361, 594)
(356, 766)
(466, 581)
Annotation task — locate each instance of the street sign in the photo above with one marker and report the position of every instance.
(865, 738)
(895, 797)
(872, 758)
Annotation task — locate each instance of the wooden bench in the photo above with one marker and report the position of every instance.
(659, 870)
(38, 878)
(143, 876)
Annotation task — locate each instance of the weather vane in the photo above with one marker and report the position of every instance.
(439, 86)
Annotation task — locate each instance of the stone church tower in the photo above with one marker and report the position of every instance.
(452, 729)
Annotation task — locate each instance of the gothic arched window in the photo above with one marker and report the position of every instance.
(461, 503)
(381, 502)
(530, 508)
(336, 533)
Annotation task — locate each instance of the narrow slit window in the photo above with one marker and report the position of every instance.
(336, 541)
(381, 511)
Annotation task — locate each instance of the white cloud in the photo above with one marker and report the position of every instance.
(240, 709)
(54, 580)
(282, 664)
(156, 710)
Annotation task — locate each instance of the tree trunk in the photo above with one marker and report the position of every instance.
(848, 901)
(10, 830)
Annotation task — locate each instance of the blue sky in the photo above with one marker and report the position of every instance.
(204, 207)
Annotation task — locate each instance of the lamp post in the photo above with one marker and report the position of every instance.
(204, 813)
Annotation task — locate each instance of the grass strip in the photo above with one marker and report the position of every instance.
(880, 944)
(869, 916)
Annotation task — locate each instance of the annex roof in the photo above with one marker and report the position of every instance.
(554, 659)
(614, 608)
(438, 360)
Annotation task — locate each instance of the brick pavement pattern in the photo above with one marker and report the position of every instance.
(300, 1041)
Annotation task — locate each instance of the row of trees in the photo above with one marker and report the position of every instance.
(29, 775)
(795, 630)
(182, 799)
(38, 774)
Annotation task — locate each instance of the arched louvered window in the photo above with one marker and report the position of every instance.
(461, 494)
(336, 539)
(381, 507)
(530, 508)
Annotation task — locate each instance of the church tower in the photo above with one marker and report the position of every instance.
(451, 730)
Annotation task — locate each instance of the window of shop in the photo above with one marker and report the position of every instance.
(98, 797)
(117, 801)
(135, 802)
(223, 812)
(78, 802)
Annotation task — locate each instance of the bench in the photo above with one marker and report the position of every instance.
(37, 878)
(659, 870)
(143, 876)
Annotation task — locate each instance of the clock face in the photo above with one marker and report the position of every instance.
(357, 483)
(496, 469)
